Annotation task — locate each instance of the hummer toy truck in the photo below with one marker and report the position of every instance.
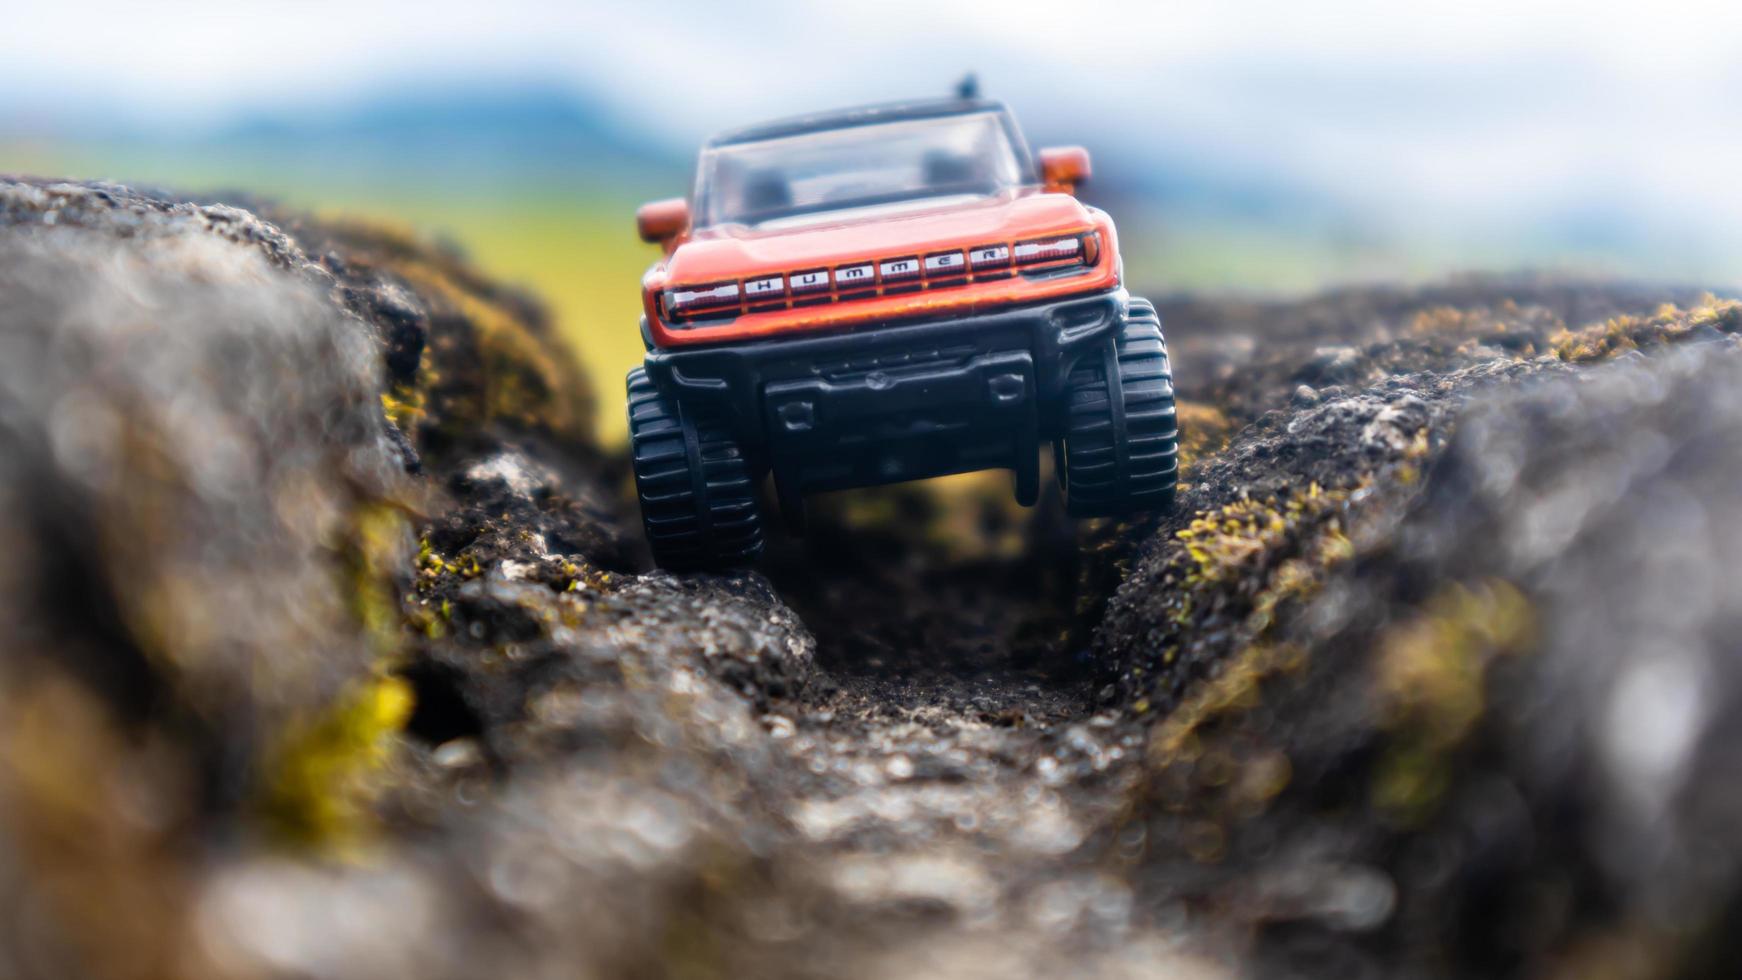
(884, 294)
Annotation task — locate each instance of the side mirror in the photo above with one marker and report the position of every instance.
(1062, 168)
(662, 221)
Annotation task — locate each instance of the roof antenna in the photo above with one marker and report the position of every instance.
(968, 89)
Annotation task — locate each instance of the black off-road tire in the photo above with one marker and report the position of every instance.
(1121, 442)
(697, 491)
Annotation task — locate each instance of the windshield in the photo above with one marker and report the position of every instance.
(856, 167)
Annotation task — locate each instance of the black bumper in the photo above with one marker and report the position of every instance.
(896, 402)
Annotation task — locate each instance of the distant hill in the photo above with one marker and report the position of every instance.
(464, 131)
(452, 136)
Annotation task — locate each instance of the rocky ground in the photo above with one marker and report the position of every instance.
(334, 652)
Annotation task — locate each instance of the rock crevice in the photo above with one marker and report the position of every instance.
(335, 652)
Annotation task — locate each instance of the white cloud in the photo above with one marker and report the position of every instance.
(1471, 108)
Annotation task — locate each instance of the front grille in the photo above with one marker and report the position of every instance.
(863, 278)
(895, 362)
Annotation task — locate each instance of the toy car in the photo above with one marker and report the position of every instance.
(883, 294)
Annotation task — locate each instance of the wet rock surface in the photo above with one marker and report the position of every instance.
(1431, 673)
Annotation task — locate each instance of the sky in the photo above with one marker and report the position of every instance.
(1453, 117)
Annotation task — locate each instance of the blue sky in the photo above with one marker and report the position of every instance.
(1462, 120)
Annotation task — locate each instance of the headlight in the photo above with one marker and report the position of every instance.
(691, 301)
(1063, 250)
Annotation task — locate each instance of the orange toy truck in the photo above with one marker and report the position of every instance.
(883, 294)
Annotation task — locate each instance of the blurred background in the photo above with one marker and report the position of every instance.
(1263, 147)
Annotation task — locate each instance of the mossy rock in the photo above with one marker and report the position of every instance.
(209, 420)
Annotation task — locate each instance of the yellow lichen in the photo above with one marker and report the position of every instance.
(321, 772)
(1225, 543)
(374, 553)
(92, 813)
(431, 566)
(1668, 325)
(524, 378)
(1260, 780)
(316, 782)
(1430, 674)
(1224, 546)
(404, 406)
(1235, 689)
(1472, 326)
(1203, 431)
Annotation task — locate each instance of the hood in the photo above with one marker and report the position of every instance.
(717, 254)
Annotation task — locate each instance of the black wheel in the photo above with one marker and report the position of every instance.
(698, 499)
(1121, 443)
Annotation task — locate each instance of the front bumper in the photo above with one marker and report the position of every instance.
(897, 402)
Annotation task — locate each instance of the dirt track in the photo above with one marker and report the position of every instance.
(1427, 675)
